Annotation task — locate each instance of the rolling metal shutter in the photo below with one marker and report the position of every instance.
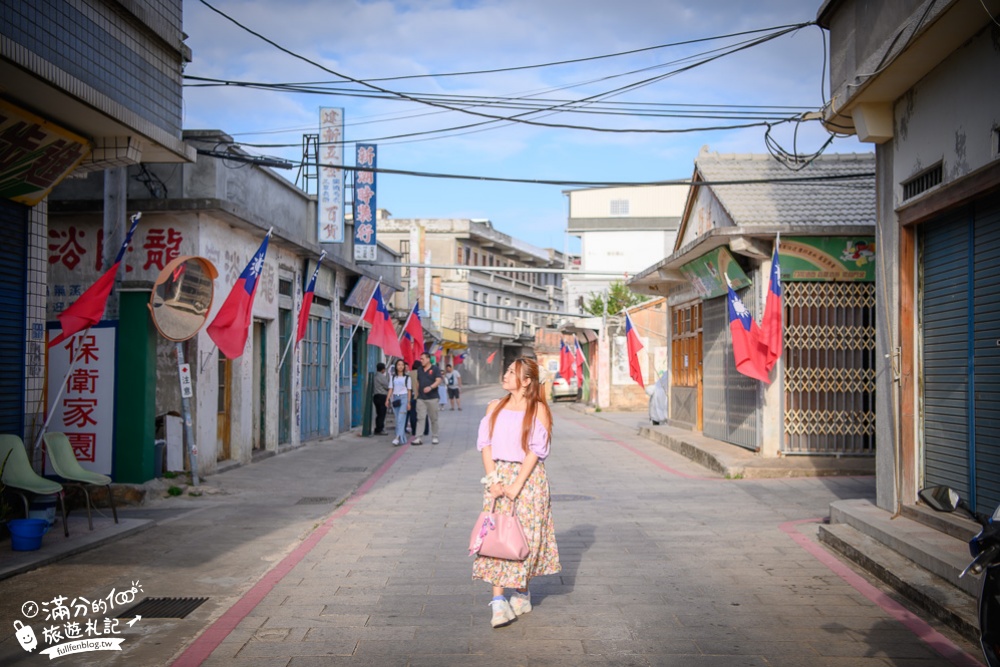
(946, 248)
(986, 355)
(13, 296)
(960, 323)
(732, 400)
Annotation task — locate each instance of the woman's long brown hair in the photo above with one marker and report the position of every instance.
(525, 369)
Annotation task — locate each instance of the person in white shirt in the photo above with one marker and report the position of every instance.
(453, 380)
(398, 399)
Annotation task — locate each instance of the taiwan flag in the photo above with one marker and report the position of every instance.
(307, 300)
(414, 327)
(771, 338)
(231, 326)
(748, 351)
(634, 345)
(383, 333)
(579, 362)
(88, 309)
(565, 361)
(458, 360)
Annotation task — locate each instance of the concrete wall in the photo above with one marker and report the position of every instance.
(642, 201)
(621, 251)
(129, 53)
(930, 127)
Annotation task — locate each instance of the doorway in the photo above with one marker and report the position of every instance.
(222, 426)
(259, 384)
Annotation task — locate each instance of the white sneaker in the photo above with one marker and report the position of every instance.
(416, 441)
(395, 441)
(434, 441)
(520, 603)
(502, 613)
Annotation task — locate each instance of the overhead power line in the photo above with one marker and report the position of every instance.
(520, 118)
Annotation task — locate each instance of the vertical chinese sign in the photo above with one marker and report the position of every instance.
(364, 205)
(331, 177)
(86, 411)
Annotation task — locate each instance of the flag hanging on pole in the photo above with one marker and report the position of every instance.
(634, 345)
(579, 362)
(565, 361)
(771, 334)
(88, 309)
(307, 300)
(414, 327)
(458, 360)
(383, 333)
(747, 348)
(489, 359)
(231, 326)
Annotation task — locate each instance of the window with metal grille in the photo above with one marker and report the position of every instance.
(619, 207)
(923, 181)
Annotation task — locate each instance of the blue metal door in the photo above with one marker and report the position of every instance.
(13, 295)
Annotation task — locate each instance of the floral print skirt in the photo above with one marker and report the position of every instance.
(534, 511)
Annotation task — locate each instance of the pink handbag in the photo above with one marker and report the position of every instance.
(499, 535)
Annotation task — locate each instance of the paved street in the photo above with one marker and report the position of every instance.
(663, 564)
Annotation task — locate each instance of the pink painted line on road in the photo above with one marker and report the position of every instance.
(647, 457)
(944, 646)
(209, 640)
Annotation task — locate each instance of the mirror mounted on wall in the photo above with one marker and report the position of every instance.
(182, 297)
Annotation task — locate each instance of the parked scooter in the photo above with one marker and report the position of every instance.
(985, 550)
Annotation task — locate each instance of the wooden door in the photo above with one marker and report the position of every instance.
(222, 428)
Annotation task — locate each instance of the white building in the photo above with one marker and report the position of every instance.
(621, 229)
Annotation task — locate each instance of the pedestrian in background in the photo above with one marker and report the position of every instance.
(412, 414)
(399, 400)
(453, 379)
(514, 439)
(379, 397)
(428, 380)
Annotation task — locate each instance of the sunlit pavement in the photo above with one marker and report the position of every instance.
(664, 563)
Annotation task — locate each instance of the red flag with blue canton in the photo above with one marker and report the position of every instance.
(383, 334)
(88, 309)
(565, 361)
(414, 327)
(771, 337)
(747, 349)
(634, 345)
(406, 350)
(231, 326)
(579, 363)
(307, 300)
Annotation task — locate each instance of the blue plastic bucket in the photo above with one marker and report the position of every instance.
(26, 534)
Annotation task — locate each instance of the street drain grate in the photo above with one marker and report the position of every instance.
(568, 497)
(350, 470)
(164, 608)
(315, 500)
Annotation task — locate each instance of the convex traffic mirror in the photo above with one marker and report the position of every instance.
(182, 297)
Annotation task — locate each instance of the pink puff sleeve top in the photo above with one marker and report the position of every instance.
(506, 440)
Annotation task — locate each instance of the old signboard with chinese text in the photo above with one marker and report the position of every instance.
(330, 210)
(364, 204)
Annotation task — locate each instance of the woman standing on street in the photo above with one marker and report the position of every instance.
(514, 439)
(399, 399)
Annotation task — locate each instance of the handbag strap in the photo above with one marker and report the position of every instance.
(513, 505)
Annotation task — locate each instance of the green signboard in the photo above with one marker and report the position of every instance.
(707, 273)
(840, 258)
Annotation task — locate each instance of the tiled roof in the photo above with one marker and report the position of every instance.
(847, 202)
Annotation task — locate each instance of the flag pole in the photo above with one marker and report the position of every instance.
(350, 338)
(402, 331)
(73, 358)
(292, 338)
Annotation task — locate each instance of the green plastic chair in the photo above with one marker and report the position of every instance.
(64, 463)
(19, 475)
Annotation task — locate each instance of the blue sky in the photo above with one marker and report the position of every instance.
(377, 39)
